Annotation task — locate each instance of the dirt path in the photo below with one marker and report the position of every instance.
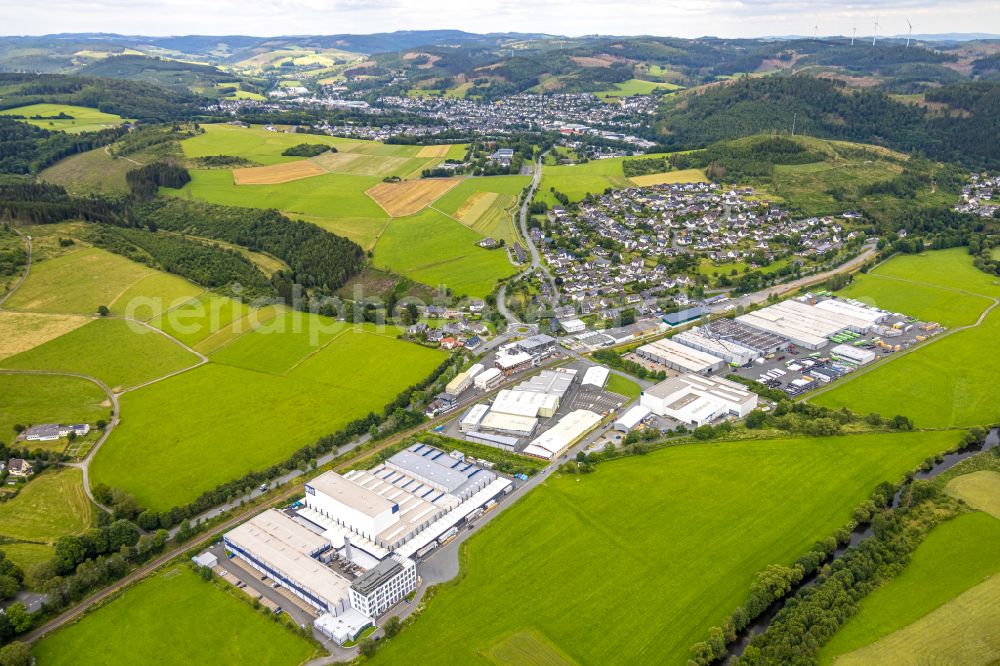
(27, 266)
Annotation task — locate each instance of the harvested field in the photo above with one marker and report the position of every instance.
(21, 331)
(434, 151)
(277, 173)
(409, 197)
(475, 206)
(360, 164)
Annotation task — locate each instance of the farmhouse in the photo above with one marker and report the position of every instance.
(19, 467)
(48, 432)
(679, 357)
(696, 400)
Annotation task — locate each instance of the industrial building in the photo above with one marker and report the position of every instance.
(729, 351)
(696, 400)
(761, 342)
(525, 403)
(596, 375)
(808, 326)
(460, 382)
(384, 585)
(569, 430)
(538, 346)
(632, 418)
(515, 425)
(289, 553)
(682, 316)
(573, 326)
(488, 379)
(855, 355)
(679, 357)
(512, 362)
(471, 419)
(377, 519)
(503, 442)
(49, 432)
(553, 382)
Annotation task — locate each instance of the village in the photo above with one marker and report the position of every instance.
(629, 247)
(977, 196)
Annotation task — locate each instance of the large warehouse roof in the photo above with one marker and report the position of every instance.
(350, 494)
(562, 435)
(731, 352)
(684, 358)
(447, 477)
(514, 423)
(287, 547)
(554, 382)
(596, 375)
(523, 403)
(862, 312)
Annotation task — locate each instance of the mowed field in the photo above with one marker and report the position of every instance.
(80, 281)
(411, 196)
(692, 524)
(50, 506)
(670, 177)
(277, 173)
(485, 204)
(35, 399)
(119, 353)
(578, 180)
(634, 87)
(174, 618)
(434, 249)
(956, 556)
(980, 490)
(21, 331)
(266, 394)
(84, 119)
(946, 377)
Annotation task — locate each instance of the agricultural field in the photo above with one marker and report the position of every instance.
(945, 378)
(80, 281)
(679, 520)
(956, 556)
(578, 180)
(410, 197)
(35, 399)
(670, 177)
(94, 171)
(21, 331)
(117, 352)
(277, 173)
(980, 490)
(485, 204)
(199, 318)
(434, 249)
(50, 506)
(84, 119)
(358, 371)
(174, 618)
(252, 143)
(634, 87)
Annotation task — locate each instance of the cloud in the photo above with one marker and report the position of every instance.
(682, 18)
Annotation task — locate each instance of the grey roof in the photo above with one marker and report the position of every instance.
(550, 382)
(536, 341)
(377, 576)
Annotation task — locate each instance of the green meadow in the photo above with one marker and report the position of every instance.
(82, 280)
(174, 618)
(266, 395)
(431, 248)
(119, 353)
(677, 535)
(84, 119)
(956, 556)
(50, 506)
(634, 87)
(35, 399)
(252, 143)
(578, 180)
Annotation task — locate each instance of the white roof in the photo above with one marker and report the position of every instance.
(569, 429)
(342, 627)
(508, 422)
(869, 314)
(287, 547)
(487, 375)
(596, 376)
(686, 358)
(633, 416)
(350, 494)
(523, 403)
(475, 414)
(513, 360)
(475, 369)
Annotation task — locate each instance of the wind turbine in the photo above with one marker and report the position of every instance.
(909, 34)
(875, 32)
(854, 31)
(815, 32)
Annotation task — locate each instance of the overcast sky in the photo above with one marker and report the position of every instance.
(681, 18)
